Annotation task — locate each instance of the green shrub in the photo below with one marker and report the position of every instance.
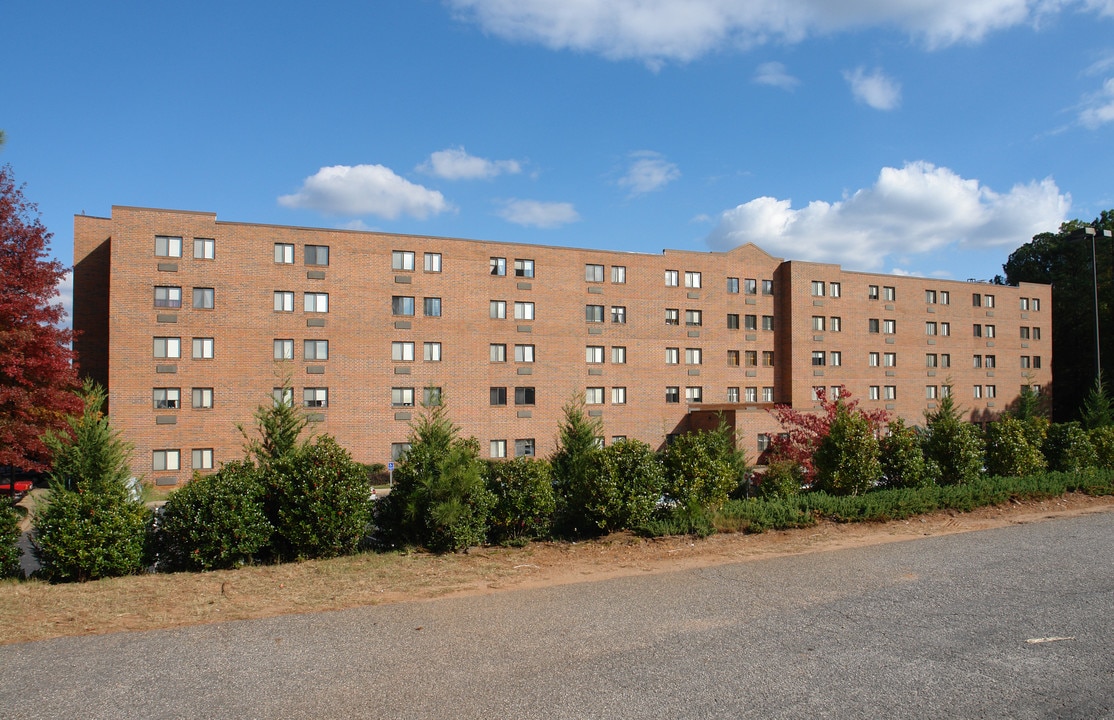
(899, 451)
(758, 515)
(576, 467)
(216, 521)
(318, 500)
(523, 500)
(87, 535)
(1068, 449)
(846, 461)
(623, 490)
(953, 449)
(691, 519)
(1102, 440)
(1011, 450)
(9, 536)
(700, 467)
(782, 479)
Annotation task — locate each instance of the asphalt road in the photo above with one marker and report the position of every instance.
(935, 628)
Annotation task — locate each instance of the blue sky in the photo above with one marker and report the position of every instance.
(915, 136)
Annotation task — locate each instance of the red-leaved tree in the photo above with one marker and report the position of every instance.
(803, 431)
(37, 377)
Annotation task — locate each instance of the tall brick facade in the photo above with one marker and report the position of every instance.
(167, 303)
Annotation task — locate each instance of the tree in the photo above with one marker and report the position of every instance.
(37, 376)
(522, 492)
(902, 459)
(1063, 259)
(1013, 449)
(953, 449)
(279, 424)
(575, 465)
(846, 461)
(90, 455)
(701, 469)
(1097, 411)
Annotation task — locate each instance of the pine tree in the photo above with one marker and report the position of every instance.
(279, 425)
(1097, 411)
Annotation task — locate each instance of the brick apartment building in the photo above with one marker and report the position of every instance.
(192, 323)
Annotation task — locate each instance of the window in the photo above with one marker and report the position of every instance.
(835, 290)
(316, 302)
(431, 396)
(1036, 333)
(203, 298)
(945, 360)
(992, 391)
(817, 391)
(819, 322)
(402, 305)
(819, 357)
(432, 262)
(619, 355)
(402, 397)
(283, 396)
(525, 311)
(498, 395)
(976, 361)
(168, 297)
(889, 327)
(976, 300)
(930, 328)
(166, 398)
(929, 392)
(284, 253)
(818, 288)
(524, 353)
(989, 331)
(767, 287)
(692, 279)
(618, 274)
(319, 349)
(693, 318)
(889, 359)
(524, 268)
(889, 392)
(945, 329)
(431, 306)
(317, 254)
(204, 248)
(672, 316)
(593, 354)
(202, 398)
(497, 310)
(889, 294)
(976, 330)
(750, 357)
(399, 450)
(693, 356)
(874, 392)
(835, 324)
(618, 314)
(284, 301)
(945, 391)
(930, 360)
(991, 361)
(874, 359)
(930, 297)
(873, 325)
(767, 394)
(732, 321)
(593, 396)
(498, 449)
(767, 358)
(498, 352)
(988, 301)
(1036, 308)
(166, 459)
(593, 313)
(201, 459)
(1024, 333)
(672, 394)
(431, 351)
(763, 442)
(872, 294)
(166, 246)
(203, 348)
(672, 355)
(768, 323)
(593, 273)
(977, 391)
(694, 394)
(498, 266)
(524, 448)
(618, 396)
(732, 394)
(750, 323)
(402, 260)
(524, 396)
(733, 358)
(401, 351)
(732, 285)
(1025, 362)
(1036, 362)
(671, 278)
(945, 297)
(284, 349)
(835, 358)
(317, 397)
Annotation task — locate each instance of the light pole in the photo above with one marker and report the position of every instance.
(1092, 233)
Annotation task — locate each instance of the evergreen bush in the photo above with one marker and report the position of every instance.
(9, 536)
(953, 447)
(1068, 448)
(627, 489)
(523, 501)
(782, 479)
(701, 467)
(1102, 440)
(899, 451)
(576, 470)
(846, 461)
(1013, 447)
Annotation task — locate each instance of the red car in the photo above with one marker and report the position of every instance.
(21, 488)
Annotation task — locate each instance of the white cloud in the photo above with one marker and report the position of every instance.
(875, 89)
(537, 213)
(657, 31)
(775, 74)
(456, 164)
(365, 190)
(916, 209)
(1098, 108)
(648, 171)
